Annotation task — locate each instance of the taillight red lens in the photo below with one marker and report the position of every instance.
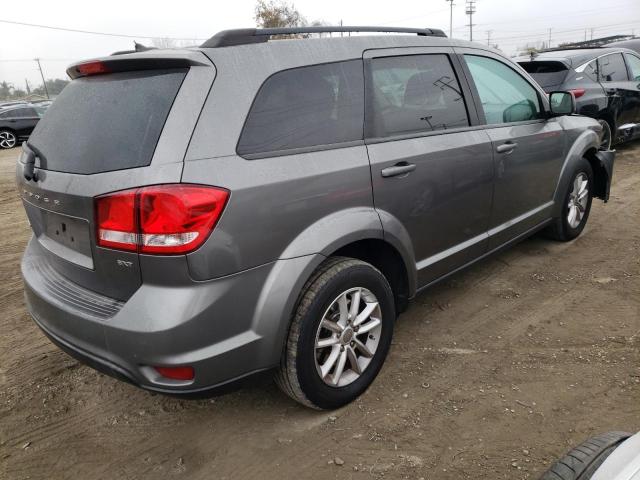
(578, 92)
(116, 215)
(176, 373)
(164, 219)
(92, 68)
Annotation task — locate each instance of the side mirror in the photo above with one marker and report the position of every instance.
(562, 103)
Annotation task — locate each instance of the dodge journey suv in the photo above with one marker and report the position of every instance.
(202, 215)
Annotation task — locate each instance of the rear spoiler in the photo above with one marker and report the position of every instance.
(146, 60)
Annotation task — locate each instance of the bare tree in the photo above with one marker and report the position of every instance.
(278, 14)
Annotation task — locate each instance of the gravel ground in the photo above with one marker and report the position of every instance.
(492, 374)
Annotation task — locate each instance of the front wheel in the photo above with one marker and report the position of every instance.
(8, 139)
(576, 204)
(339, 336)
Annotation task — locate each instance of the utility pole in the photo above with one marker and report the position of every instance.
(489, 37)
(471, 9)
(28, 87)
(341, 33)
(549, 46)
(44, 83)
(450, 17)
(592, 33)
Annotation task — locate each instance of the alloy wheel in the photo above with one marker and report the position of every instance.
(578, 199)
(7, 140)
(605, 135)
(348, 337)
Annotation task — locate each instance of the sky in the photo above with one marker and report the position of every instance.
(511, 24)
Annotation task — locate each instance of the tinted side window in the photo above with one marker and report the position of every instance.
(612, 68)
(591, 70)
(305, 107)
(25, 113)
(505, 95)
(634, 66)
(414, 93)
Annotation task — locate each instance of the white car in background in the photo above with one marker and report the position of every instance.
(611, 456)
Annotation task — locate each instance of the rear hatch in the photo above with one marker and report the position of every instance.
(550, 75)
(123, 122)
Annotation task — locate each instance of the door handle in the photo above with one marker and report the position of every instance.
(507, 147)
(401, 168)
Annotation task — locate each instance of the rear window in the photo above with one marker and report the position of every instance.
(306, 107)
(106, 122)
(547, 74)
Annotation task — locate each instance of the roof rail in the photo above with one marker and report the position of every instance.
(244, 36)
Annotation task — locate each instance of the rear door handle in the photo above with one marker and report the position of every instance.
(401, 168)
(507, 147)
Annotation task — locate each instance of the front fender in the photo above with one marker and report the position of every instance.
(605, 162)
(585, 141)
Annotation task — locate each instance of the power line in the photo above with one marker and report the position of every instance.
(90, 32)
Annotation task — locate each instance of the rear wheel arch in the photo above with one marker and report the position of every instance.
(386, 258)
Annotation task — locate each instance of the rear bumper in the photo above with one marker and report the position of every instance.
(227, 329)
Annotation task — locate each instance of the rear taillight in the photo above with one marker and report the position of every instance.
(577, 92)
(161, 219)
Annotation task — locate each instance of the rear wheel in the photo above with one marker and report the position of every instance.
(340, 334)
(606, 137)
(582, 462)
(576, 204)
(8, 139)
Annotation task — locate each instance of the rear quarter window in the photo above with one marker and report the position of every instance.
(306, 107)
(106, 122)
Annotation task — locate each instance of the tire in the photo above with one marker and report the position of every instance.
(304, 360)
(8, 139)
(582, 462)
(564, 229)
(606, 138)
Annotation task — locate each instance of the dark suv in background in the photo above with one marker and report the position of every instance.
(604, 81)
(204, 214)
(17, 121)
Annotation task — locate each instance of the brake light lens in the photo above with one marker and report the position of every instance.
(162, 219)
(577, 92)
(92, 68)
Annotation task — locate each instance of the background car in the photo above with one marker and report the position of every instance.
(18, 121)
(605, 82)
(632, 44)
(611, 456)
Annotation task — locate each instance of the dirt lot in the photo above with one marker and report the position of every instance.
(492, 374)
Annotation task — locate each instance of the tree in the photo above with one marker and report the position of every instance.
(278, 14)
(54, 87)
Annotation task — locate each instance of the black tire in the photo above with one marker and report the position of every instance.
(582, 462)
(297, 375)
(8, 139)
(561, 230)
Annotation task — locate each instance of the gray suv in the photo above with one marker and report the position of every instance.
(202, 215)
